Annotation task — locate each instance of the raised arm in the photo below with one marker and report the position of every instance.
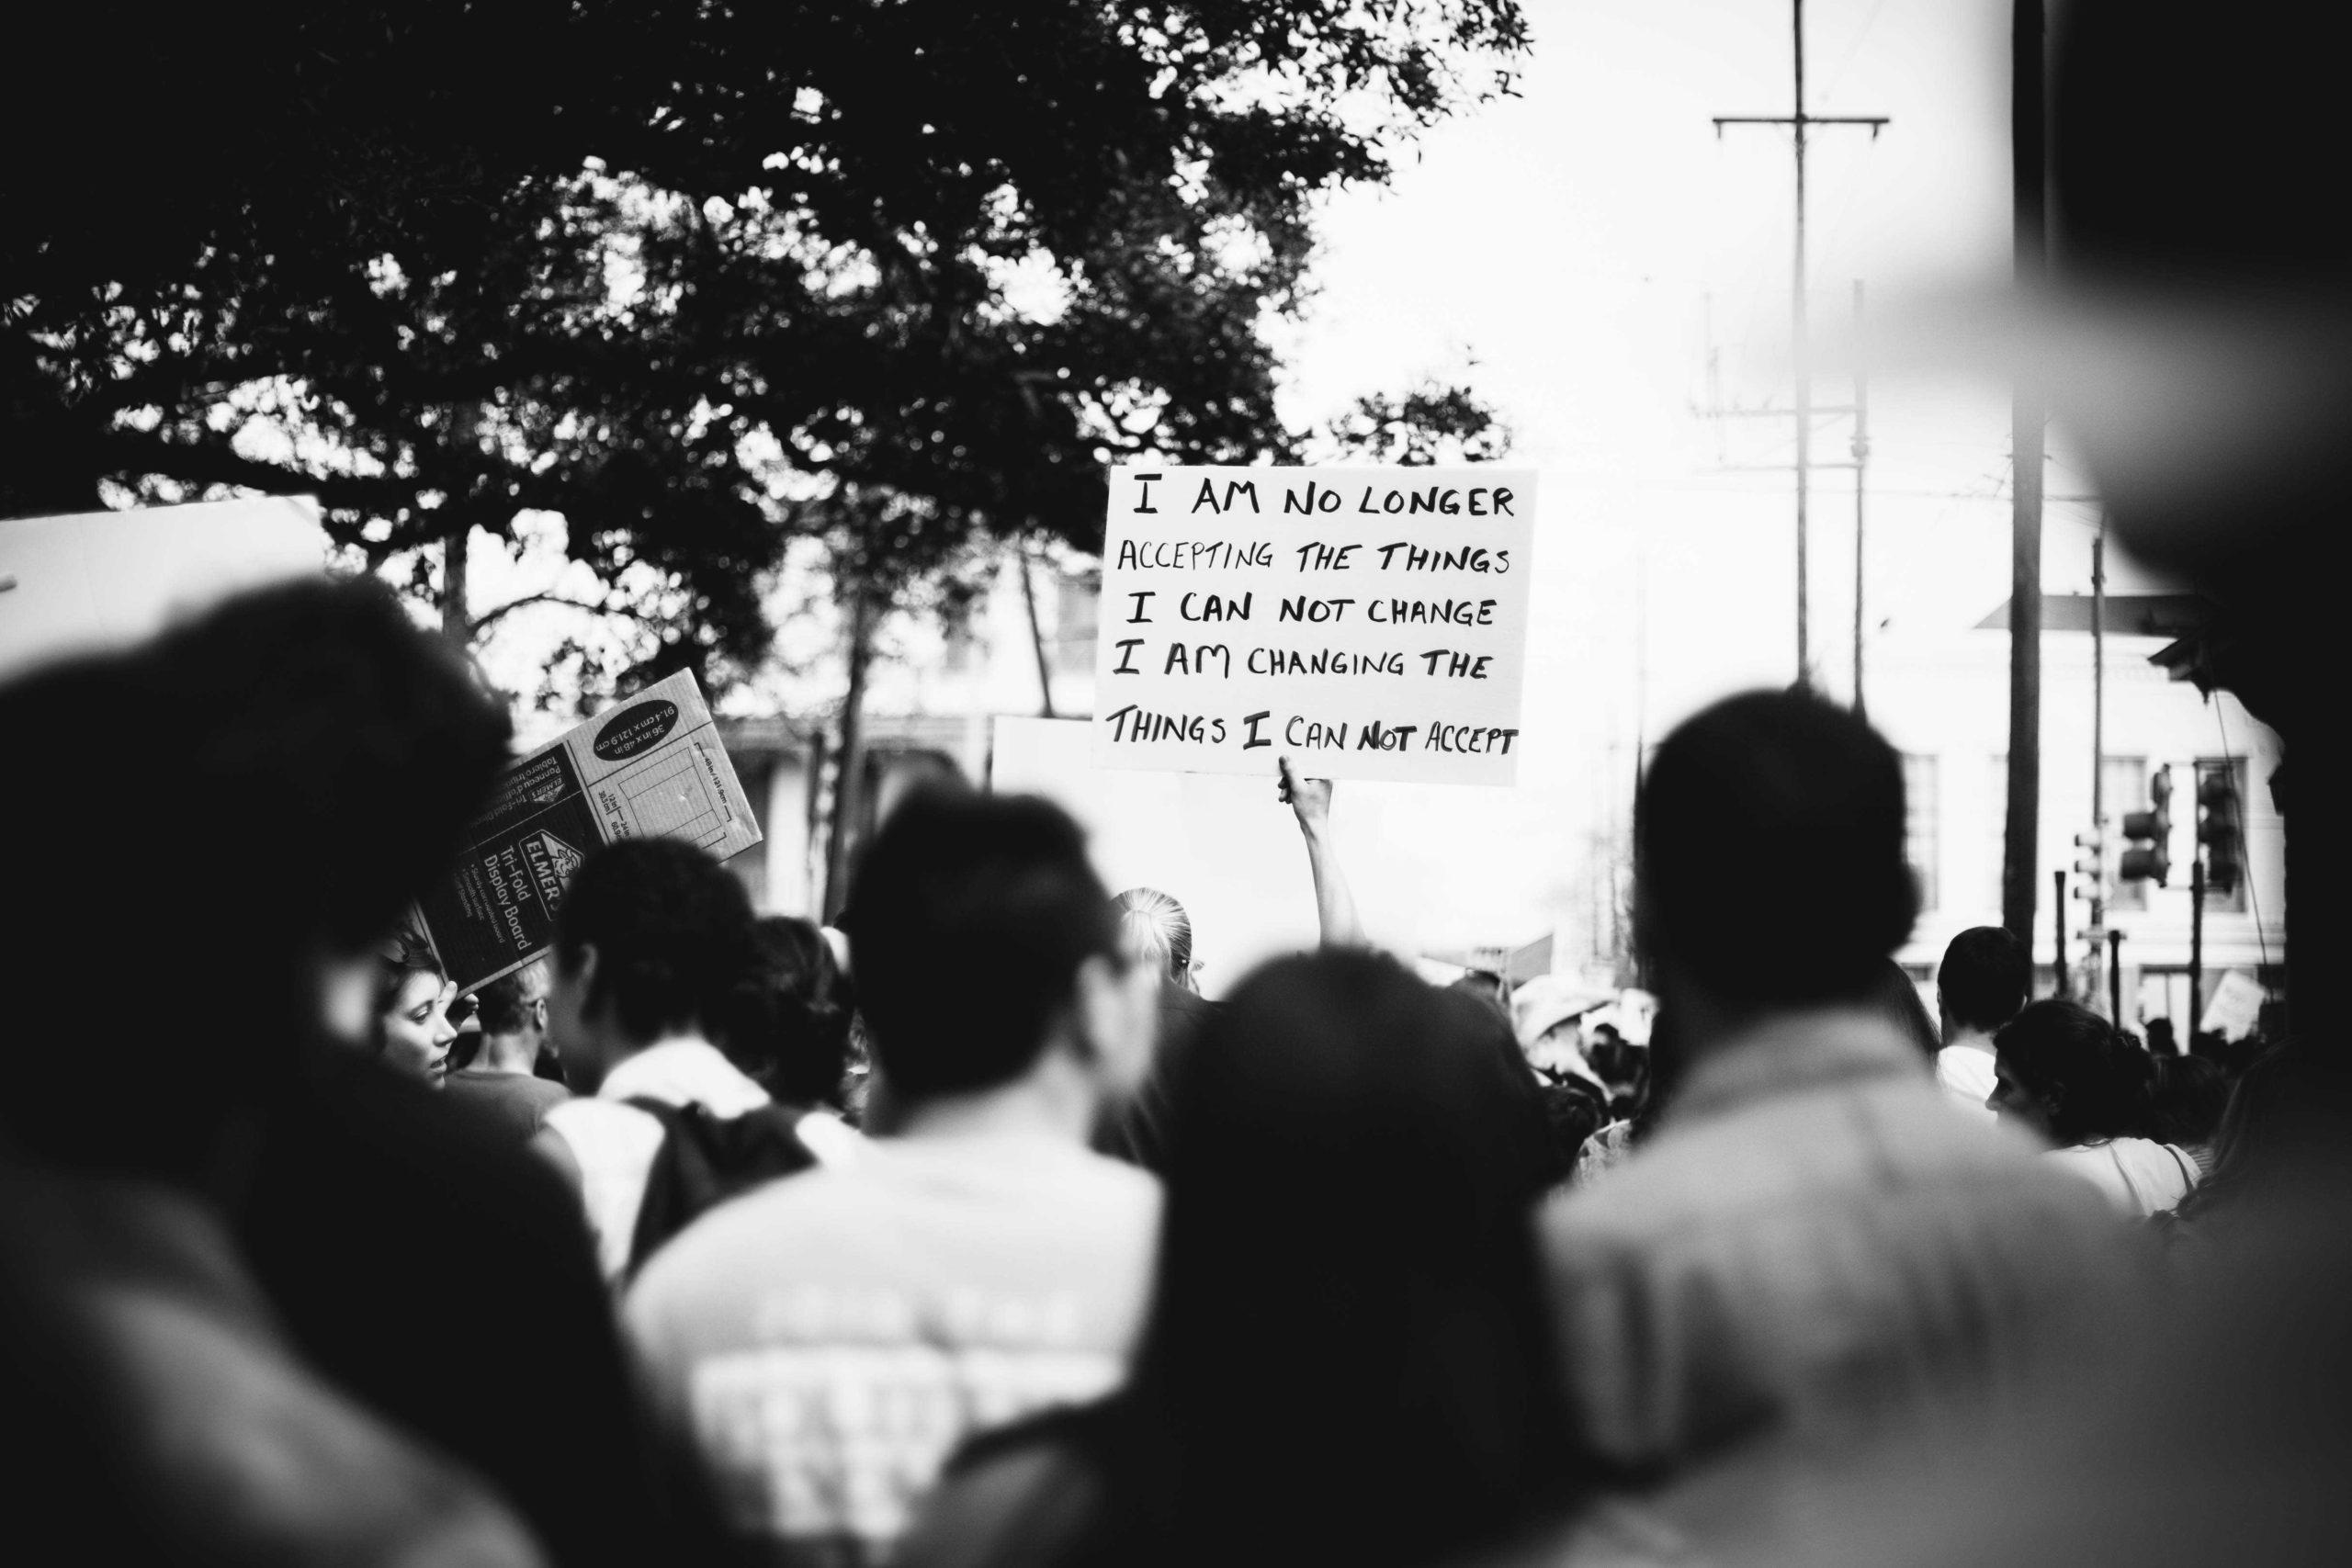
(1334, 906)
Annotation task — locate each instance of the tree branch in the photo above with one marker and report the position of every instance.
(483, 622)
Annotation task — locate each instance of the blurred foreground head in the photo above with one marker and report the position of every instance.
(981, 938)
(1769, 868)
(1346, 1350)
(210, 834)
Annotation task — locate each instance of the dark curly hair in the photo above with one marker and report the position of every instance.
(2096, 1082)
(672, 931)
(786, 1020)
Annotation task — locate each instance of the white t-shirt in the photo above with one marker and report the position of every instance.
(2139, 1175)
(826, 1343)
(614, 1143)
(1966, 1074)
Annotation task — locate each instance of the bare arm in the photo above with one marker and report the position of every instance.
(1334, 906)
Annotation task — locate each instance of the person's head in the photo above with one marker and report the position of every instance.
(1347, 1350)
(2187, 1099)
(1769, 864)
(787, 1021)
(2256, 1136)
(1484, 986)
(2162, 1042)
(413, 1029)
(514, 1007)
(983, 943)
(2068, 1074)
(1155, 931)
(1896, 999)
(1985, 978)
(651, 934)
(307, 721)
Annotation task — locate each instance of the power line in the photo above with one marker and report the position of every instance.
(1800, 122)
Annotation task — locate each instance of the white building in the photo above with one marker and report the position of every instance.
(1945, 706)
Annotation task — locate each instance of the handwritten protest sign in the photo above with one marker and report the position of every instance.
(1367, 622)
(653, 767)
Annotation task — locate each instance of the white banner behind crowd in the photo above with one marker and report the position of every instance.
(1369, 622)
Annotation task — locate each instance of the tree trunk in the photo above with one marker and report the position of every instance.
(849, 783)
(456, 624)
(1037, 641)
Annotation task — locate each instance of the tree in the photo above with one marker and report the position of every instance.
(700, 279)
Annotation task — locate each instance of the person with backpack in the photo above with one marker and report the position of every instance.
(817, 1349)
(652, 937)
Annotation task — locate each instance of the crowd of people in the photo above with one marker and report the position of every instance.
(969, 1232)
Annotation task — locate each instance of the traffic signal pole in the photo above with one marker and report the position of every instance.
(2058, 918)
(2196, 945)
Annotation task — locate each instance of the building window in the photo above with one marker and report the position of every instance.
(2217, 902)
(1919, 843)
(2124, 783)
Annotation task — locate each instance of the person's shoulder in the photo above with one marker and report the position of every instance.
(1112, 1175)
(582, 1119)
(776, 1218)
(1031, 1492)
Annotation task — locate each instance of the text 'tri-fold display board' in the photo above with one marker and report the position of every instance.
(1367, 623)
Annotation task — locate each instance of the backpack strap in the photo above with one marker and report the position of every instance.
(703, 1159)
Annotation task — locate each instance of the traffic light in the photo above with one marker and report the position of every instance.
(2148, 833)
(2220, 830)
(2090, 865)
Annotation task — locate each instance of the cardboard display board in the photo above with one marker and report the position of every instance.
(653, 767)
(1367, 622)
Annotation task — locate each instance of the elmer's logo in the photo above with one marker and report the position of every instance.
(635, 729)
(552, 862)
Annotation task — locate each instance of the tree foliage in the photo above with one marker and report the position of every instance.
(699, 278)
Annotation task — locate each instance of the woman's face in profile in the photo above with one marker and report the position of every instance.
(2012, 1102)
(417, 1031)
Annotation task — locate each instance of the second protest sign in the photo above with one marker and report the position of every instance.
(1367, 623)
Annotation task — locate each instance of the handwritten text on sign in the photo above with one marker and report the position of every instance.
(1367, 622)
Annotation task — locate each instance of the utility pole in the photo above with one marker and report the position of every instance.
(2115, 978)
(2028, 174)
(2098, 724)
(1801, 348)
(1861, 456)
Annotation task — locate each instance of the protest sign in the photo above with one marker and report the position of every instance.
(2235, 1008)
(651, 768)
(92, 581)
(1367, 622)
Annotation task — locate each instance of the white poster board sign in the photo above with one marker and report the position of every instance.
(1367, 622)
(2236, 1008)
(92, 581)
